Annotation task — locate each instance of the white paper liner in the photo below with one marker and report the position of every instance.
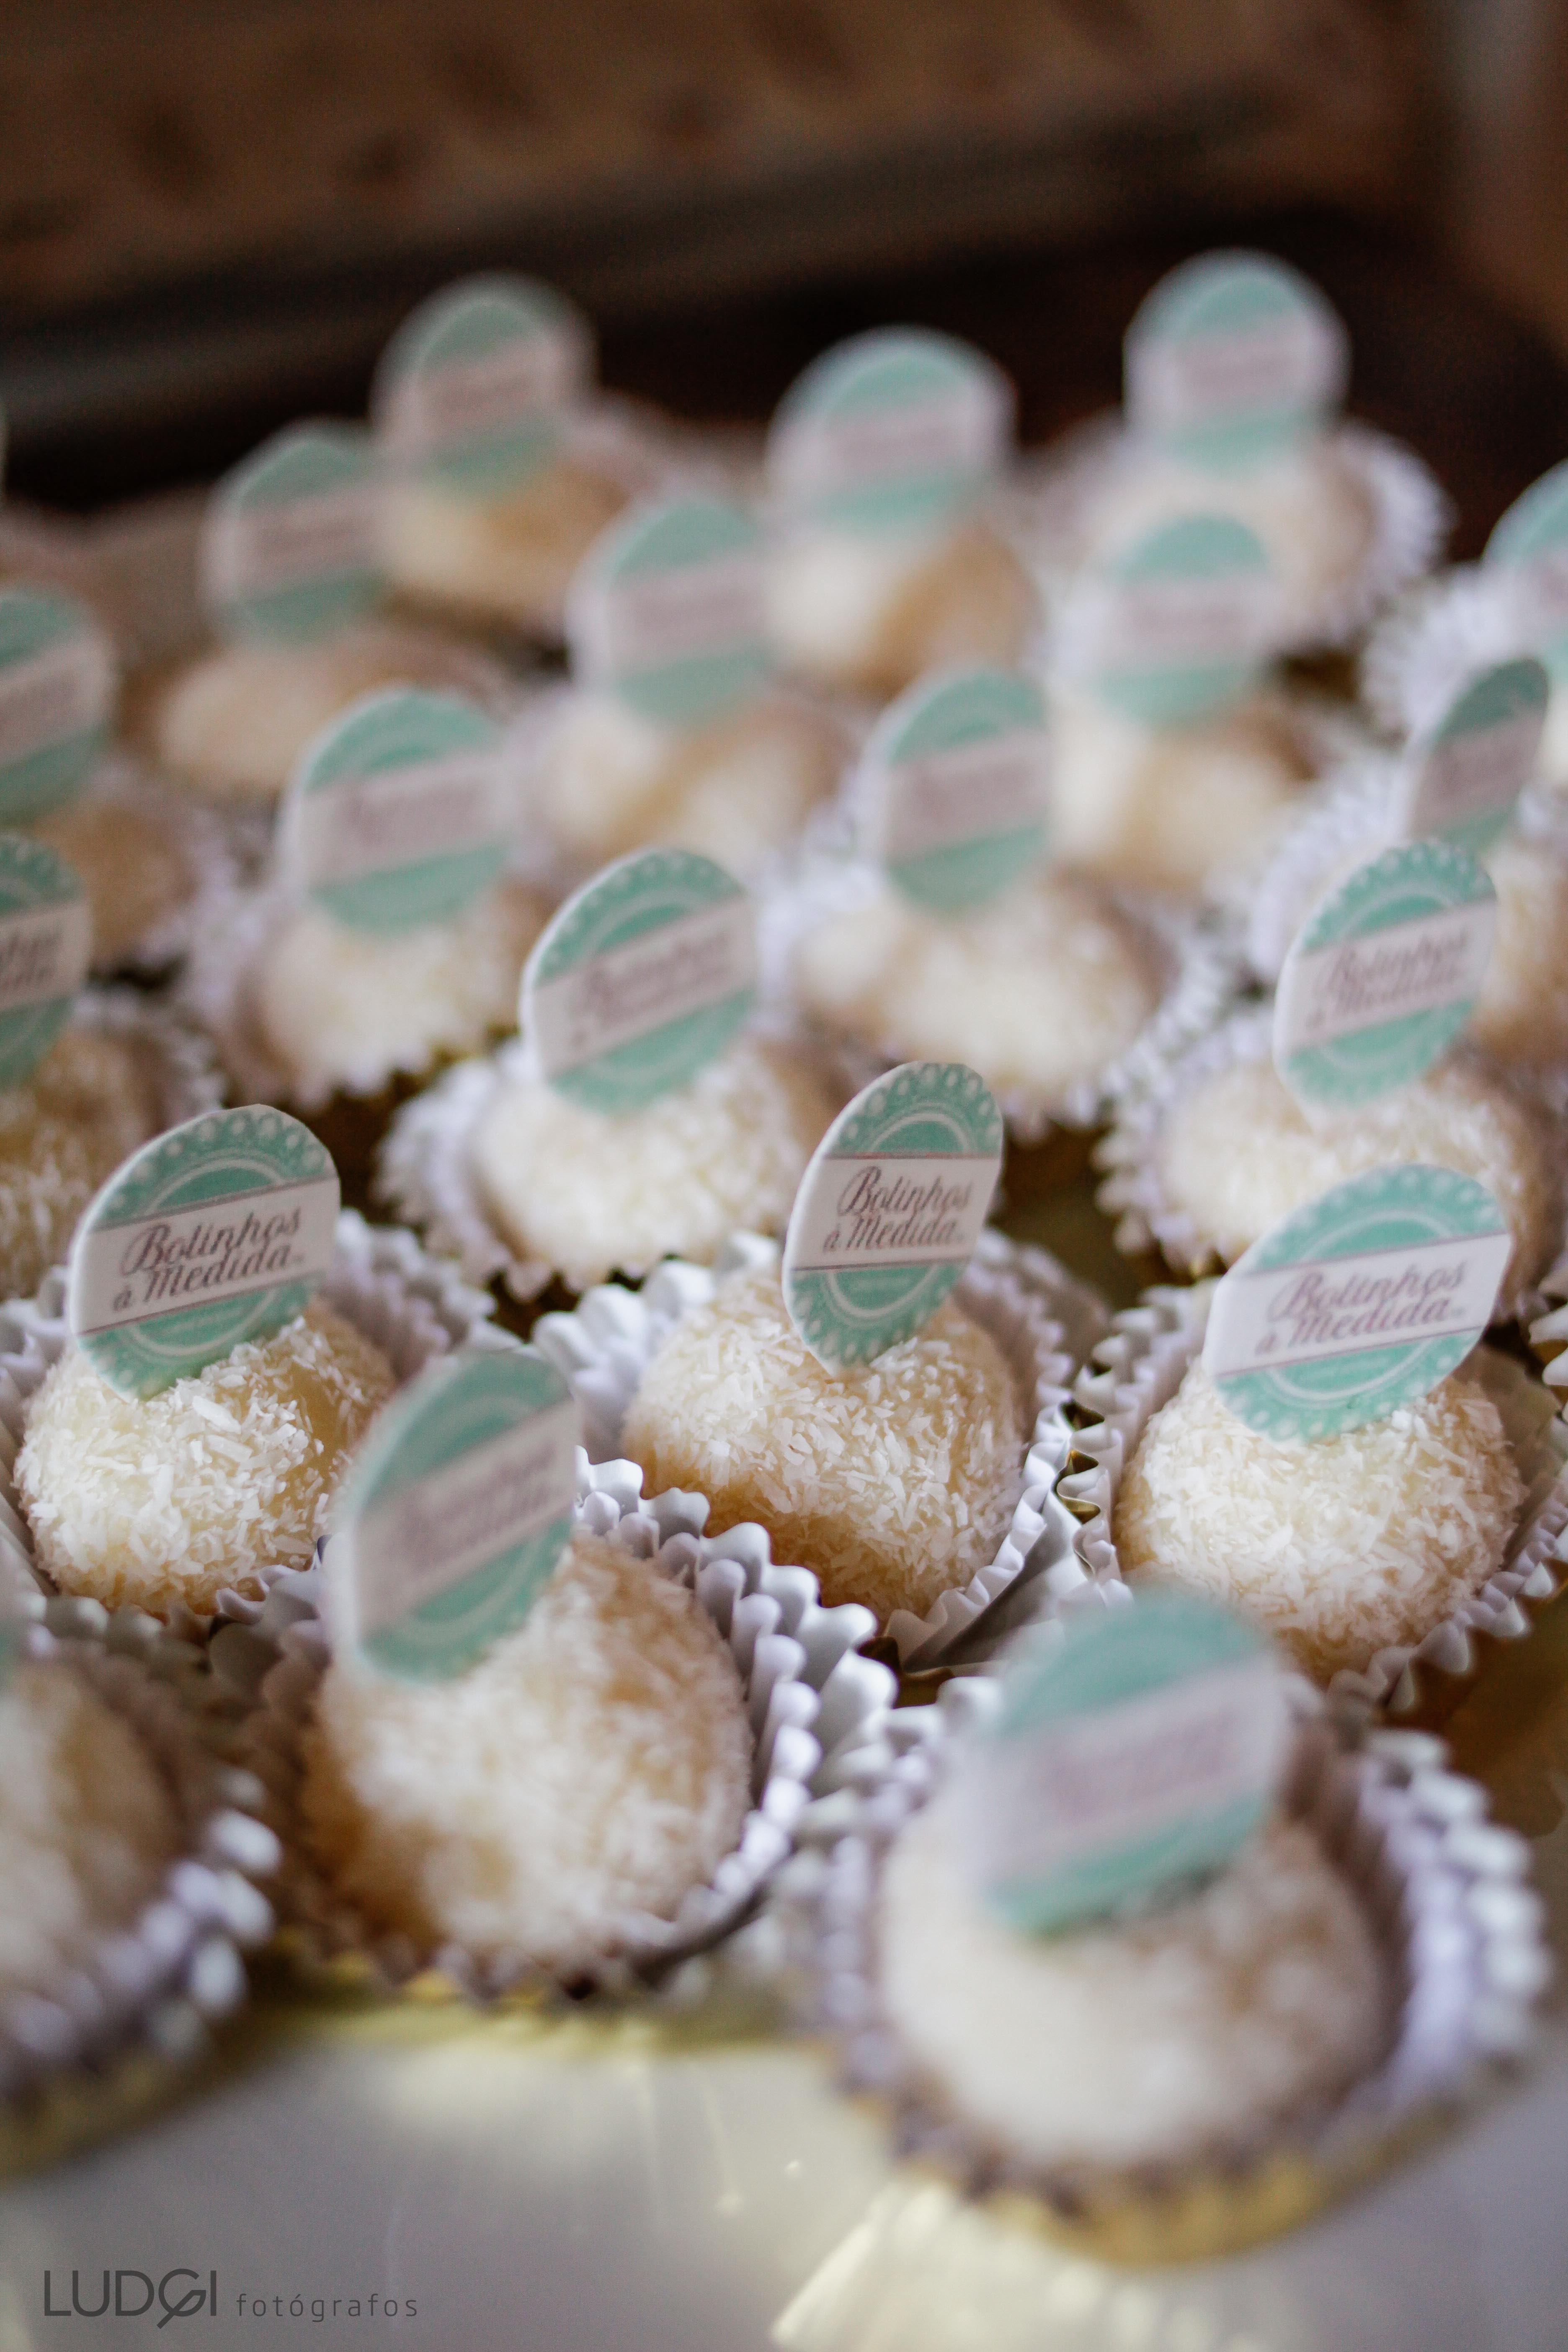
(1436, 633)
(412, 1307)
(1139, 1367)
(809, 1696)
(1133, 1191)
(179, 1063)
(1043, 1321)
(153, 1989)
(1446, 1892)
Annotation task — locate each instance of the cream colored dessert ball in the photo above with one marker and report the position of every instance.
(592, 1193)
(147, 1502)
(1150, 2041)
(1341, 1546)
(1180, 809)
(88, 1824)
(341, 1008)
(1039, 991)
(1523, 1013)
(87, 1107)
(892, 1481)
(131, 865)
(595, 1765)
(873, 614)
(1237, 1154)
(609, 782)
(508, 558)
(236, 722)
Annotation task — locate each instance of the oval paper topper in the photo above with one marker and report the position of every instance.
(1176, 626)
(289, 544)
(1358, 1303)
(472, 387)
(1530, 544)
(1459, 780)
(56, 692)
(640, 979)
(890, 1210)
(399, 812)
(1383, 975)
(458, 1507)
(896, 430)
(1135, 1753)
(666, 612)
(46, 946)
(1233, 357)
(216, 1233)
(951, 788)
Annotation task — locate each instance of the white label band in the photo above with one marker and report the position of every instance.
(989, 787)
(1387, 975)
(44, 953)
(1190, 381)
(885, 1212)
(399, 816)
(1298, 1314)
(55, 695)
(257, 549)
(1472, 774)
(637, 624)
(189, 1258)
(1130, 622)
(532, 377)
(820, 456)
(608, 999)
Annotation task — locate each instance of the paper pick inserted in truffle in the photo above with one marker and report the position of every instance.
(640, 979)
(1383, 975)
(214, 1234)
(289, 548)
(471, 391)
(1357, 1303)
(57, 693)
(398, 814)
(46, 946)
(451, 1521)
(1530, 544)
(1233, 357)
(666, 612)
(1177, 626)
(1135, 1753)
(952, 789)
(1460, 780)
(890, 1210)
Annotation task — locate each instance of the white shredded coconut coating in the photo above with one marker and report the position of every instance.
(893, 1481)
(131, 865)
(87, 1107)
(508, 559)
(344, 1008)
(1523, 1013)
(1340, 1548)
(146, 1503)
(1237, 1154)
(597, 1764)
(1039, 991)
(610, 781)
(872, 616)
(1177, 808)
(1153, 2041)
(592, 1193)
(88, 1825)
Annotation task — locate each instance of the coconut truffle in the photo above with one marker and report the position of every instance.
(595, 1765)
(892, 1481)
(1149, 2040)
(592, 1194)
(872, 616)
(148, 1503)
(610, 781)
(87, 1107)
(507, 559)
(1523, 1012)
(1237, 1153)
(88, 1824)
(1179, 809)
(340, 1008)
(1341, 1547)
(132, 867)
(1039, 991)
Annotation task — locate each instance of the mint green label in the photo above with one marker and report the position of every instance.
(57, 693)
(290, 547)
(1135, 1754)
(1461, 782)
(471, 389)
(890, 1210)
(214, 1234)
(641, 980)
(1232, 359)
(46, 946)
(893, 431)
(399, 813)
(1178, 626)
(456, 1513)
(952, 788)
(666, 612)
(1532, 543)
(1383, 975)
(1357, 1303)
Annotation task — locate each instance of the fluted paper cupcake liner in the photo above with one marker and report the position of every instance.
(1139, 1367)
(412, 1307)
(180, 1066)
(810, 1699)
(1445, 1893)
(1042, 1320)
(200, 842)
(1437, 632)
